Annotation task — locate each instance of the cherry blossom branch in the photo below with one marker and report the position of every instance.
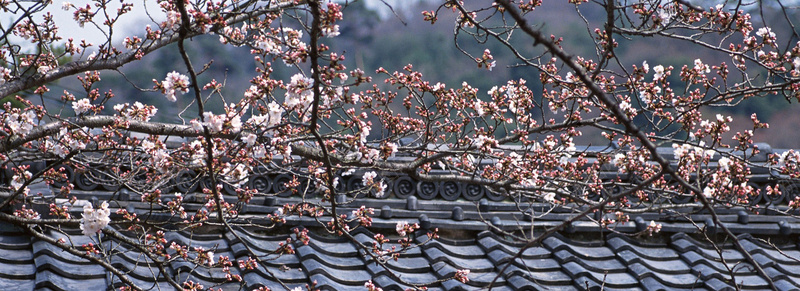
(29, 229)
(80, 66)
(612, 106)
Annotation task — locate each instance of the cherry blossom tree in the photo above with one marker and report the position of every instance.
(328, 122)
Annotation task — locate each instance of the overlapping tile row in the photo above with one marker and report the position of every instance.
(273, 266)
(473, 215)
(613, 262)
(410, 269)
(655, 265)
(714, 264)
(17, 268)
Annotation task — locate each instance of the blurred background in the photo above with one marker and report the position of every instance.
(392, 34)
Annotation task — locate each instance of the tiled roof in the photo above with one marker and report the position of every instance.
(580, 257)
(613, 262)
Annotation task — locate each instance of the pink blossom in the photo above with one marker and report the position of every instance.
(461, 275)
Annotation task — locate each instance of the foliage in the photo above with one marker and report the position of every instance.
(323, 118)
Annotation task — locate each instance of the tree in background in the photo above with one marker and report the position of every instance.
(327, 122)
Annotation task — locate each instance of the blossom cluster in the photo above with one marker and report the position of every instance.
(94, 220)
(20, 122)
(175, 82)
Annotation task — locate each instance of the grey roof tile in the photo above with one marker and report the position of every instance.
(652, 252)
(681, 280)
(696, 261)
(584, 282)
(591, 251)
(538, 265)
(785, 285)
(15, 272)
(476, 278)
(257, 280)
(404, 264)
(609, 265)
(612, 280)
(414, 278)
(675, 266)
(328, 282)
(285, 274)
(559, 263)
(457, 249)
(184, 277)
(344, 276)
(68, 269)
(521, 282)
(650, 283)
(54, 281)
(17, 284)
(435, 255)
(144, 284)
(554, 277)
(683, 243)
(388, 284)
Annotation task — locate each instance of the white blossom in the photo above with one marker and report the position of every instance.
(401, 227)
(210, 256)
(724, 163)
(298, 93)
(708, 192)
(21, 123)
(175, 82)
(18, 180)
(275, 111)
(491, 65)
(371, 156)
(550, 197)
(700, 67)
(94, 219)
(237, 175)
(56, 148)
(392, 148)
(619, 160)
(659, 72)
(214, 122)
(43, 70)
(679, 151)
(82, 106)
(765, 32)
(235, 122)
(288, 151)
(268, 45)
(330, 31)
(482, 140)
(369, 176)
(665, 15)
(381, 190)
(148, 145)
(479, 108)
(161, 159)
(250, 139)
(5, 74)
(624, 105)
(355, 98)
